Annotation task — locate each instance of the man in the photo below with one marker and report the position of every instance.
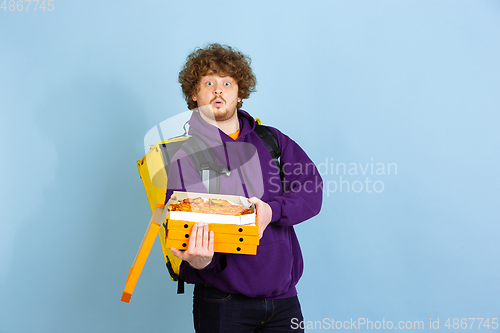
(243, 293)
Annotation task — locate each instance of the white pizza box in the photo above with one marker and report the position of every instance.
(247, 219)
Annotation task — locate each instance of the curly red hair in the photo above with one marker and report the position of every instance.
(216, 59)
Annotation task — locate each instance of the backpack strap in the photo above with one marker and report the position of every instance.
(271, 142)
(269, 139)
(176, 277)
(180, 286)
(204, 162)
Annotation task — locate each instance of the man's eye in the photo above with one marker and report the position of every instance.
(209, 83)
(227, 84)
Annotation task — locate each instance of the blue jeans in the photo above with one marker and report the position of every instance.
(215, 311)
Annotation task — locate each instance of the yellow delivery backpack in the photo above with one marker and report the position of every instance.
(153, 169)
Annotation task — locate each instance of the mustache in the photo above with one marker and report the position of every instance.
(215, 98)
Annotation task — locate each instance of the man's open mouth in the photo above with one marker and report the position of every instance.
(218, 103)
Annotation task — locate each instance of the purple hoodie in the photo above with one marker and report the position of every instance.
(278, 265)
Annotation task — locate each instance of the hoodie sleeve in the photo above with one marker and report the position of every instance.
(302, 184)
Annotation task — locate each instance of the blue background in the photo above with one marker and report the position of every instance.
(411, 83)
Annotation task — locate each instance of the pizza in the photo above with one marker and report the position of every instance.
(209, 206)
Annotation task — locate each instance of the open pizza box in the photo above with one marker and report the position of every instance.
(232, 234)
(247, 219)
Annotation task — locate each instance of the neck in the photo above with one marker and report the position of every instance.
(228, 126)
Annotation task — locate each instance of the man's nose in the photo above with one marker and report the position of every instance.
(218, 89)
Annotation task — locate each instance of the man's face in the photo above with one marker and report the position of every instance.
(217, 97)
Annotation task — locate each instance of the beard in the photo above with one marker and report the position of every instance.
(219, 114)
(223, 115)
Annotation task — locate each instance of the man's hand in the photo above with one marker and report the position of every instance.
(264, 214)
(200, 251)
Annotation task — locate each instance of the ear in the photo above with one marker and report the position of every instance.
(194, 98)
(239, 99)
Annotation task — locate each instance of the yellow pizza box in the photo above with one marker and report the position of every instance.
(228, 229)
(218, 247)
(218, 237)
(186, 226)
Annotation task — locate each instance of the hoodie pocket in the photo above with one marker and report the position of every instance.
(214, 295)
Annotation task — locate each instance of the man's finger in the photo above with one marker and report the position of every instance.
(177, 253)
(199, 235)
(192, 238)
(211, 242)
(254, 200)
(205, 236)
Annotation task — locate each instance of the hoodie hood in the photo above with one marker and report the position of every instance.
(213, 134)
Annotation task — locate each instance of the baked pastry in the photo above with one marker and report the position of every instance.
(209, 206)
